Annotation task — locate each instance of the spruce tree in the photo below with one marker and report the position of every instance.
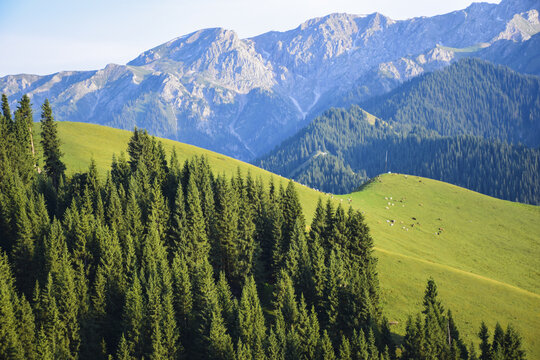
(292, 212)
(345, 349)
(244, 246)
(513, 344)
(6, 111)
(221, 347)
(177, 224)
(251, 319)
(54, 167)
(25, 150)
(274, 350)
(10, 346)
(325, 350)
(133, 316)
(196, 239)
(226, 227)
(228, 304)
(183, 295)
(123, 352)
(498, 339)
(485, 346)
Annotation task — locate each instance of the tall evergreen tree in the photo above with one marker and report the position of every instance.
(25, 150)
(54, 167)
(196, 239)
(485, 346)
(6, 111)
(251, 319)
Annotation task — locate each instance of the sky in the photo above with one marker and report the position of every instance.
(44, 37)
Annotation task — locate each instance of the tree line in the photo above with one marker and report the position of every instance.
(355, 149)
(164, 260)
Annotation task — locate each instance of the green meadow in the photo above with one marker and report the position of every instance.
(484, 253)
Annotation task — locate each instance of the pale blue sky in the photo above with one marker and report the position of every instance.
(43, 37)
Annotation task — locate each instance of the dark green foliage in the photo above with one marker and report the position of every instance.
(54, 167)
(6, 111)
(468, 132)
(162, 262)
(470, 97)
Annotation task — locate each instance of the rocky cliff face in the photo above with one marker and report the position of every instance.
(242, 97)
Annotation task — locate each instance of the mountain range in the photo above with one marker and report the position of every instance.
(242, 97)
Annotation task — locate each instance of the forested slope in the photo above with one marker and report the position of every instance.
(168, 261)
(470, 97)
(472, 124)
(463, 280)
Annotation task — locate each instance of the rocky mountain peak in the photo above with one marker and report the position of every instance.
(243, 96)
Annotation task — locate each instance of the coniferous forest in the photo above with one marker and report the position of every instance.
(472, 124)
(162, 260)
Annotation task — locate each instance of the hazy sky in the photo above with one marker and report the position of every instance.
(46, 36)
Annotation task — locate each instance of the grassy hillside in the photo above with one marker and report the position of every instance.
(81, 142)
(485, 258)
(483, 252)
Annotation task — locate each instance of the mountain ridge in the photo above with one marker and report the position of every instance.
(242, 97)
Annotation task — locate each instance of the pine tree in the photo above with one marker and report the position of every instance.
(285, 299)
(228, 303)
(372, 347)
(114, 211)
(345, 349)
(183, 296)
(5, 109)
(319, 221)
(26, 327)
(413, 343)
(251, 319)
(120, 171)
(435, 344)
(196, 238)
(54, 167)
(334, 279)
(307, 328)
(10, 346)
(205, 305)
(318, 261)
(25, 150)
(226, 226)
(359, 346)
(43, 347)
(221, 347)
(485, 346)
(123, 352)
(273, 349)
(292, 212)
(498, 339)
(177, 225)
(431, 300)
(23, 252)
(298, 262)
(325, 349)
(455, 338)
(513, 344)
(243, 351)
(133, 316)
(244, 248)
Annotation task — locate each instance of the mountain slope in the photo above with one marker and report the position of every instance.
(456, 125)
(479, 234)
(470, 97)
(242, 97)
